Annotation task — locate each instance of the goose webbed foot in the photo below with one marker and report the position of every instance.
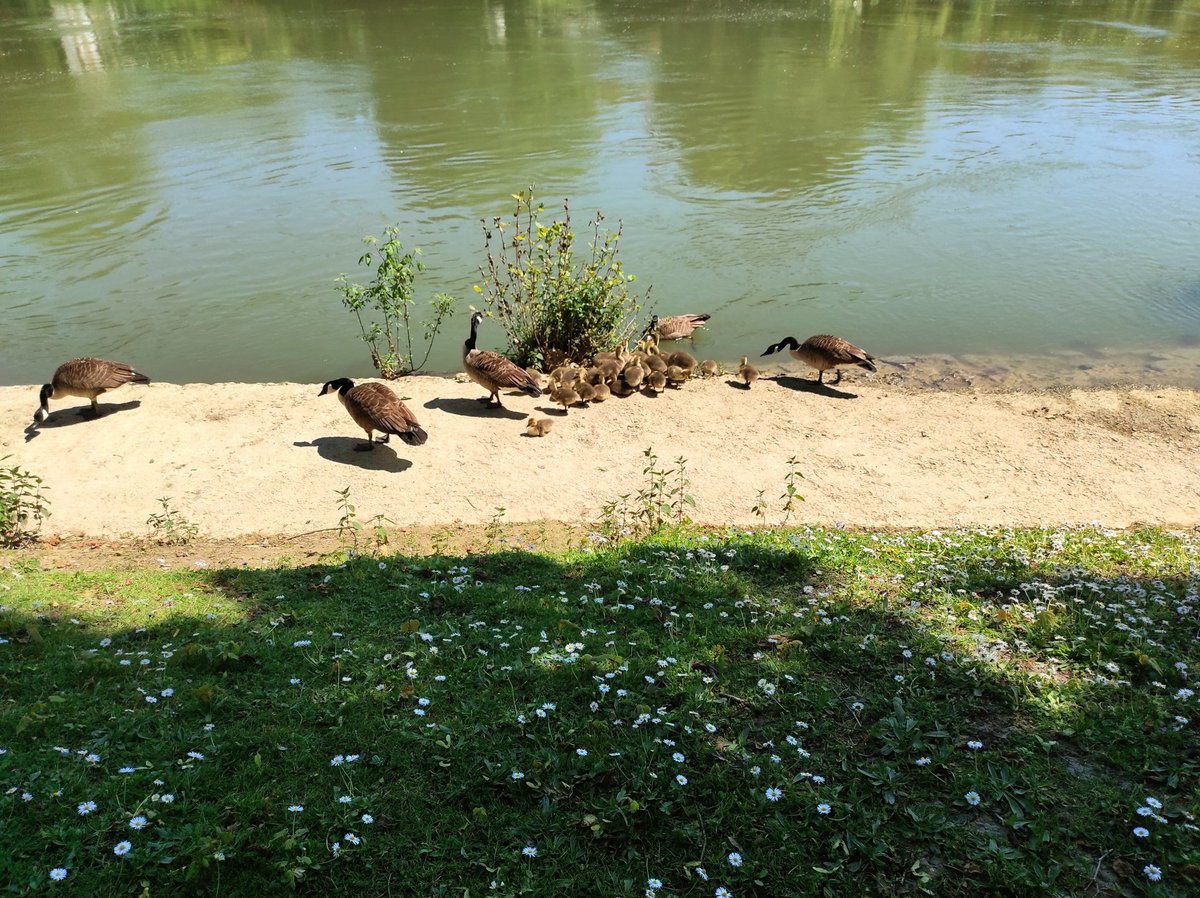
(383, 438)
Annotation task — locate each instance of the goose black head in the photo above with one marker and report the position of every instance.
(43, 408)
(341, 385)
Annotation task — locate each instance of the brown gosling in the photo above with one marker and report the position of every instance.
(648, 345)
(564, 396)
(535, 377)
(823, 352)
(656, 363)
(709, 368)
(675, 375)
(609, 371)
(633, 375)
(683, 359)
(538, 427)
(657, 381)
(676, 327)
(493, 371)
(585, 391)
(88, 378)
(600, 392)
(747, 372)
(375, 407)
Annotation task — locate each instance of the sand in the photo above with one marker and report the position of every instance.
(238, 459)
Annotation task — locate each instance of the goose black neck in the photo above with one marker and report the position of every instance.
(470, 344)
(785, 343)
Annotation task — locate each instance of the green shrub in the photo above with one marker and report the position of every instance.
(21, 504)
(391, 295)
(553, 307)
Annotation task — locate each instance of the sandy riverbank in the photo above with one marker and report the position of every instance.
(239, 459)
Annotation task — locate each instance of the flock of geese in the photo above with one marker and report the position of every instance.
(374, 407)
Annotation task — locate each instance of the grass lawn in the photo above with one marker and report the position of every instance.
(788, 712)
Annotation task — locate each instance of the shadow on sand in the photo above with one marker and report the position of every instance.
(66, 417)
(808, 385)
(473, 408)
(342, 450)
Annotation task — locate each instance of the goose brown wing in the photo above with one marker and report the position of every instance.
(843, 352)
(500, 371)
(93, 374)
(676, 327)
(381, 408)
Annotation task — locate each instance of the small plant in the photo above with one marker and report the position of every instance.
(494, 531)
(21, 505)
(552, 306)
(350, 527)
(791, 496)
(391, 295)
(168, 527)
(660, 503)
(759, 508)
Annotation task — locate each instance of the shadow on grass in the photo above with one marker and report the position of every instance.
(302, 666)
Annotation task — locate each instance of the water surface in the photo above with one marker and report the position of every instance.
(180, 183)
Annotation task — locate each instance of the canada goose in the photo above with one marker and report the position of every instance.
(538, 427)
(564, 396)
(824, 352)
(709, 368)
(375, 407)
(600, 392)
(87, 378)
(657, 381)
(676, 327)
(493, 371)
(747, 372)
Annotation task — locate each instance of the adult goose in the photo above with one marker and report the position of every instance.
(823, 352)
(87, 378)
(676, 327)
(375, 407)
(493, 371)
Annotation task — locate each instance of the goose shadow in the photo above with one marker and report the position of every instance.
(342, 451)
(67, 417)
(473, 408)
(807, 385)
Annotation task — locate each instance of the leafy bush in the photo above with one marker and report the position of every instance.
(21, 502)
(391, 295)
(552, 307)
